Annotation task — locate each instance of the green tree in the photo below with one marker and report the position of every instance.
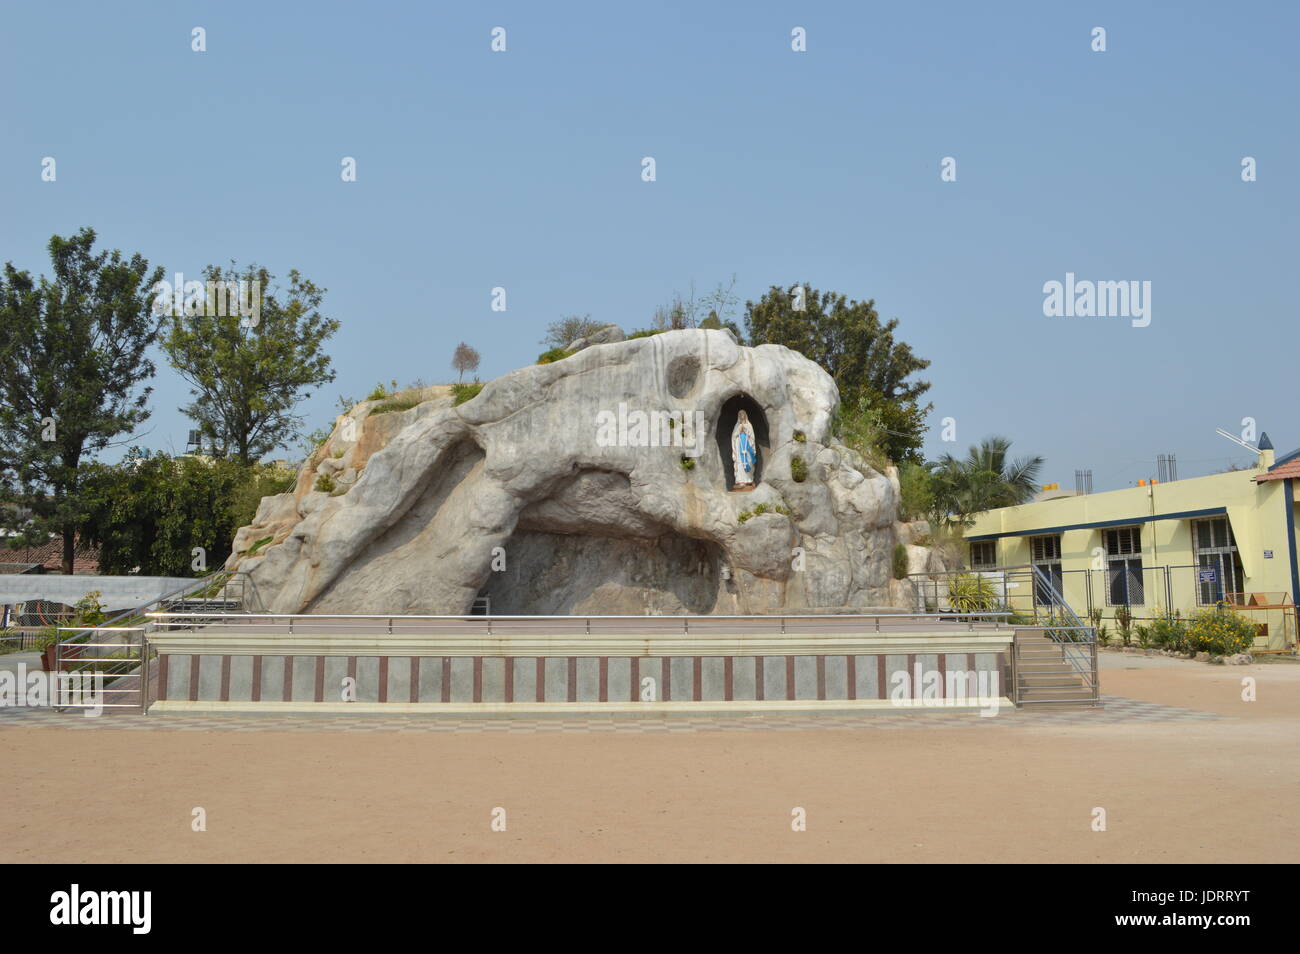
(72, 361)
(986, 478)
(246, 376)
(149, 513)
(560, 333)
(871, 368)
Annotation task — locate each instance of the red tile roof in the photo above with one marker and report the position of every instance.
(1282, 471)
(50, 556)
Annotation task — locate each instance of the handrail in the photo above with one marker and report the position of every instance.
(83, 633)
(573, 616)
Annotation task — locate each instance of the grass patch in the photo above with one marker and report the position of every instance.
(555, 354)
(258, 545)
(461, 393)
(399, 404)
(325, 484)
(798, 470)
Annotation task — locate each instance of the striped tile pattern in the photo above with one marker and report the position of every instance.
(458, 679)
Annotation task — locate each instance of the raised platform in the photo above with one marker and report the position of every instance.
(306, 663)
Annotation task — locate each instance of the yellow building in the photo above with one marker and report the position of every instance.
(1158, 547)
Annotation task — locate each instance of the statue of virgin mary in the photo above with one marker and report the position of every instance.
(744, 453)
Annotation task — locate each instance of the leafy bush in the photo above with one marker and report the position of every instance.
(461, 393)
(45, 638)
(970, 593)
(258, 545)
(89, 610)
(800, 437)
(1169, 634)
(900, 561)
(1220, 631)
(148, 513)
(1124, 619)
(915, 490)
(378, 394)
(743, 516)
(1145, 636)
(798, 470)
(325, 484)
(688, 463)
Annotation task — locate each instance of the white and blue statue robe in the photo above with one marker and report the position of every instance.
(744, 452)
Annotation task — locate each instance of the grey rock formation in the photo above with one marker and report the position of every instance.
(595, 484)
(610, 334)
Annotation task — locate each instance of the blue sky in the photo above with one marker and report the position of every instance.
(522, 169)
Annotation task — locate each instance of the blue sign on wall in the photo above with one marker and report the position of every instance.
(1209, 575)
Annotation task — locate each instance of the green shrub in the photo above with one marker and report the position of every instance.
(688, 463)
(555, 354)
(1145, 636)
(1169, 634)
(461, 393)
(258, 545)
(1124, 620)
(760, 509)
(916, 491)
(800, 437)
(646, 333)
(969, 593)
(89, 610)
(45, 638)
(325, 484)
(783, 511)
(798, 470)
(1220, 631)
(378, 394)
(743, 516)
(900, 561)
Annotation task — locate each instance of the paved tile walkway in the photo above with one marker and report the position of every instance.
(1116, 710)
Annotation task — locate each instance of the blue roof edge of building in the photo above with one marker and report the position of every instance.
(1285, 458)
(1123, 522)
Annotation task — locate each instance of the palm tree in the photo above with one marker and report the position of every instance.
(985, 479)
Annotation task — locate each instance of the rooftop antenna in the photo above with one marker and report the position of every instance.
(1167, 465)
(1236, 440)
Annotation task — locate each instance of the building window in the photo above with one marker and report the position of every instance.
(983, 554)
(1124, 567)
(1218, 571)
(1045, 554)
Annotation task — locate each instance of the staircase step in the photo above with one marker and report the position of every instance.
(1035, 695)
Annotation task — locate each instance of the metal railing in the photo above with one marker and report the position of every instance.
(399, 624)
(1032, 599)
(116, 653)
(1078, 641)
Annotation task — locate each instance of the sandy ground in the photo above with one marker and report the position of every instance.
(1217, 791)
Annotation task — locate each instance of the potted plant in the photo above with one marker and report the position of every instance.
(47, 644)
